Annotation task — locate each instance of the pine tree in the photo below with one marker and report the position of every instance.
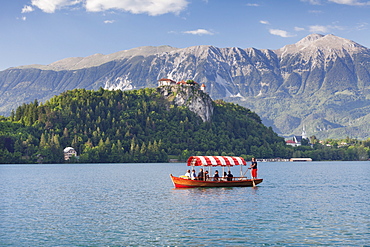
(43, 142)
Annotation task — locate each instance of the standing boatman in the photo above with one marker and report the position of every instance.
(254, 168)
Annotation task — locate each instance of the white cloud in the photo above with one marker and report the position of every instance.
(253, 4)
(313, 2)
(23, 18)
(318, 29)
(199, 32)
(50, 6)
(109, 21)
(345, 2)
(324, 29)
(362, 26)
(27, 9)
(264, 22)
(315, 12)
(281, 33)
(298, 29)
(350, 2)
(150, 7)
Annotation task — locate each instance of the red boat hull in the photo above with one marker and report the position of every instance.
(238, 182)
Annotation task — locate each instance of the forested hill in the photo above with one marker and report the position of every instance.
(131, 126)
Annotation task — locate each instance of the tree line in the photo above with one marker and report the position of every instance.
(143, 126)
(333, 149)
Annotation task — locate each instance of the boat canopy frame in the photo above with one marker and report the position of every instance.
(216, 161)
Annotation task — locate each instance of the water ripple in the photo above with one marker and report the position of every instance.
(311, 204)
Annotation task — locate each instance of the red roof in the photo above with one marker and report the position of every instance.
(165, 79)
(290, 141)
(216, 161)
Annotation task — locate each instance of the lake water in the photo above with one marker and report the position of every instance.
(298, 204)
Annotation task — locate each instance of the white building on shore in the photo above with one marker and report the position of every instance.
(69, 152)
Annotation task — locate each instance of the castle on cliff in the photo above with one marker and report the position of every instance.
(188, 83)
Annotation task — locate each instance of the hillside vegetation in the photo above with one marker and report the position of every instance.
(131, 126)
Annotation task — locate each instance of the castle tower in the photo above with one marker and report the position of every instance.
(203, 87)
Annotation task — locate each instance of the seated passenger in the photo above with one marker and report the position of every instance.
(216, 177)
(230, 176)
(187, 174)
(200, 174)
(206, 175)
(193, 175)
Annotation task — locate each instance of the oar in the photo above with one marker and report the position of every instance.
(254, 184)
(245, 172)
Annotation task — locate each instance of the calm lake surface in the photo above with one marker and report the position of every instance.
(298, 204)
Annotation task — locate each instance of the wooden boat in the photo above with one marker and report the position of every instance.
(236, 182)
(212, 161)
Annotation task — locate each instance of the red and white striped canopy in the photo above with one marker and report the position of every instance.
(215, 161)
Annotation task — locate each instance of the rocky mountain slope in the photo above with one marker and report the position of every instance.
(321, 82)
(191, 97)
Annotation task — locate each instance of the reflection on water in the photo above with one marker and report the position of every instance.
(136, 205)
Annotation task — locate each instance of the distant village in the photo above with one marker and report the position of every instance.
(297, 140)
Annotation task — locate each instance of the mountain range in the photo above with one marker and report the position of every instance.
(320, 84)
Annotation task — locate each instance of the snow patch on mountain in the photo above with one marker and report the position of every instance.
(238, 95)
(120, 83)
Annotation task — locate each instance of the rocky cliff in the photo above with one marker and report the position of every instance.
(189, 96)
(322, 82)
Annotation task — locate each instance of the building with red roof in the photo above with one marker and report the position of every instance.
(188, 83)
(165, 82)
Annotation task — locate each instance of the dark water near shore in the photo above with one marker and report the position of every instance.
(298, 204)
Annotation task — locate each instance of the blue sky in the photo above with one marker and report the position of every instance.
(44, 31)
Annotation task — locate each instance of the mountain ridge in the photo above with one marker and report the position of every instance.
(75, 63)
(320, 74)
(324, 43)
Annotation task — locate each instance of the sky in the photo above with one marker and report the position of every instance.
(45, 31)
